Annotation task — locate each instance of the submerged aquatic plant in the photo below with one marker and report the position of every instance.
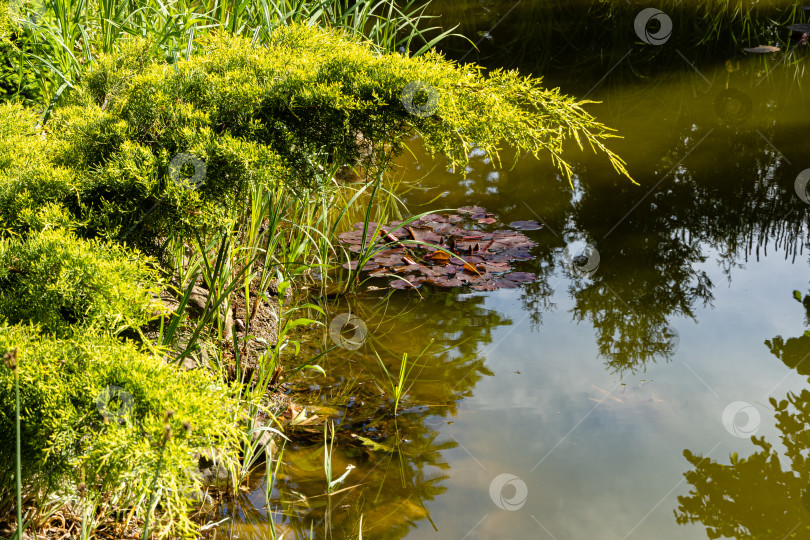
(398, 383)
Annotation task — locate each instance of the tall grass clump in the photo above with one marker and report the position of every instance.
(54, 39)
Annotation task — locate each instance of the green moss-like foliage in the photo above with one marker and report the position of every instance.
(69, 429)
(266, 111)
(34, 194)
(261, 114)
(63, 284)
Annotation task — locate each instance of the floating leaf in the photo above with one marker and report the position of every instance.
(370, 265)
(475, 269)
(390, 262)
(467, 256)
(504, 283)
(467, 277)
(525, 225)
(762, 49)
(424, 234)
(496, 268)
(441, 228)
(443, 270)
(487, 286)
(350, 236)
(467, 246)
(520, 277)
(439, 257)
(406, 283)
(514, 254)
(444, 281)
(407, 268)
(472, 210)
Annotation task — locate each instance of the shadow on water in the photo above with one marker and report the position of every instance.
(583, 39)
(715, 137)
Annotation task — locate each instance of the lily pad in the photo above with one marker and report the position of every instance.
(424, 234)
(520, 277)
(471, 210)
(448, 250)
(525, 225)
(369, 266)
(407, 283)
(444, 281)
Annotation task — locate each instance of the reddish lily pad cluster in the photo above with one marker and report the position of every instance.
(469, 253)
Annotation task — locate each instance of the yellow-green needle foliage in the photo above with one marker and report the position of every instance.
(124, 452)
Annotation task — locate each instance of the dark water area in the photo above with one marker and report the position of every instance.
(618, 401)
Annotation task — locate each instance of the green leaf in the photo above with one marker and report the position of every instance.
(375, 446)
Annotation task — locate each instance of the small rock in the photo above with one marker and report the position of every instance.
(188, 363)
(211, 469)
(196, 307)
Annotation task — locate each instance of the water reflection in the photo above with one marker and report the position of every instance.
(586, 38)
(707, 188)
(716, 146)
(767, 494)
(657, 247)
(399, 459)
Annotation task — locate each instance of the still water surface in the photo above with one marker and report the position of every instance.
(588, 391)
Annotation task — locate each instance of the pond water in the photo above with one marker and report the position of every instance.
(563, 409)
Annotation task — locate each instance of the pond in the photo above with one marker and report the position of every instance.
(566, 408)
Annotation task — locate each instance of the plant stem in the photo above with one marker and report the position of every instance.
(19, 466)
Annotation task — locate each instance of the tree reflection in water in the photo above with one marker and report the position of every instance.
(758, 496)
